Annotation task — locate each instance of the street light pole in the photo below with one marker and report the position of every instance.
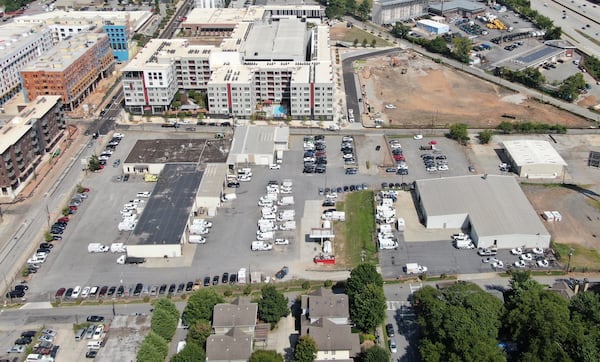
(570, 256)
(113, 307)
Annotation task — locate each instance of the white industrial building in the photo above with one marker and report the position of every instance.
(265, 67)
(433, 27)
(20, 44)
(257, 145)
(208, 198)
(388, 12)
(492, 209)
(535, 159)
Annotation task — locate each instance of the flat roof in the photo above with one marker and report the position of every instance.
(63, 54)
(530, 152)
(15, 128)
(167, 212)
(222, 16)
(151, 52)
(212, 180)
(496, 205)
(538, 54)
(455, 5)
(277, 40)
(135, 18)
(192, 150)
(256, 139)
(14, 33)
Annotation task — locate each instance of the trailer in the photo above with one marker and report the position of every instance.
(324, 259)
(123, 259)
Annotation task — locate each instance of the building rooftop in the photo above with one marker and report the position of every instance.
(62, 55)
(496, 205)
(235, 345)
(283, 40)
(12, 35)
(394, 2)
(178, 151)
(15, 128)
(455, 5)
(528, 152)
(135, 18)
(257, 139)
(240, 313)
(165, 216)
(323, 303)
(212, 180)
(224, 15)
(332, 337)
(148, 56)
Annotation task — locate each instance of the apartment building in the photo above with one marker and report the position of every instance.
(72, 69)
(118, 25)
(24, 141)
(209, 4)
(265, 68)
(20, 44)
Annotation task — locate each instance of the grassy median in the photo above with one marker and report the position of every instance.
(359, 228)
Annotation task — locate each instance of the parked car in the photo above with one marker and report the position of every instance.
(95, 318)
(389, 328)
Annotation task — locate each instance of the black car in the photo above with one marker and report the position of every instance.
(346, 188)
(44, 250)
(57, 231)
(46, 245)
(111, 291)
(163, 289)
(389, 328)
(282, 273)
(233, 185)
(120, 291)
(309, 169)
(351, 171)
(172, 288)
(215, 280)
(225, 278)
(68, 293)
(15, 294)
(91, 354)
(207, 281)
(328, 203)
(321, 160)
(21, 287)
(56, 237)
(138, 289)
(95, 318)
(320, 137)
(321, 169)
(54, 351)
(125, 178)
(402, 171)
(28, 334)
(189, 286)
(352, 187)
(181, 288)
(23, 341)
(233, 278)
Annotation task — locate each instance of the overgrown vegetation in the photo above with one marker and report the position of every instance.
(366, 297)
(459, 132)
(582, 260)
(338, 8)
(592, 64)
(571, 87)
(530, 127)
(531, 77)
(360, 225)
(12, 5)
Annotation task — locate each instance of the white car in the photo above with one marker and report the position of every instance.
(286, 190)
(390, 106)
(143, 194)
(538, 251)
(274, 166)
(76, 292)
(498, 264)
(395, 145)
(197, 240)
(490, 260)
(49, 332)
(543, 263)
(520, 264)
(118, 135)
(282, 242)
(418, 137)
(245, 178)
(431, 169)
(85, 292)
(526, 257)
(46, 338)
(443, 168)
(517, 251)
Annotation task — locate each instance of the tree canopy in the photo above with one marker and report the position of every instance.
(199, 332)
(305, 350)
(459, 132)
(375, 354)
(153, 349)
(190, 353)
(164, 324)
(200, 306)
(266, 356)
(368, 308)
(360, 276)
(273, 305)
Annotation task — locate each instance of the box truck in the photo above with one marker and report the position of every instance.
(97, 248)
(414, 268)
(464, 243)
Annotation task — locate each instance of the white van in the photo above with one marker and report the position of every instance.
(94, 345)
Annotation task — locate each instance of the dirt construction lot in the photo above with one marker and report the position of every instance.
(427, 95)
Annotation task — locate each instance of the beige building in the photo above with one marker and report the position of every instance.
(535, 159)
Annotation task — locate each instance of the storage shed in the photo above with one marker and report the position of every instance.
(433, 27)
(492, 209)
(534, 159)
(256, 145)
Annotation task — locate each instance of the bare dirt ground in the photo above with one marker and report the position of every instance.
(428, 94)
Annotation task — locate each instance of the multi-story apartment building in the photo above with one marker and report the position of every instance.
(209, 3)
(20, 44)
(265, 67)
(118, 25)
(72, 69)
(25, 139)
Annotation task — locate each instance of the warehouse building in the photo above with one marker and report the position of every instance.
(433, 27)
(256, 145)
(208, 199)
(161, 228)
(461, 8)
(534, 159)
(388, 12)
(492, 209)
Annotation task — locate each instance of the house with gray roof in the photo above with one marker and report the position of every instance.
(240, 314)
(323, 303)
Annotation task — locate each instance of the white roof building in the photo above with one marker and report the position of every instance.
(535, 159)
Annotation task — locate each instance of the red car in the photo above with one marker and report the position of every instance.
(398, 158)
(85, 189)
(59, 293)
(73, 207)
(63, 219)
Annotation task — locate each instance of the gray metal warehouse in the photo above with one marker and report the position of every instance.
(492, 209)
(256, 145)
(161, 228)
(535, 159)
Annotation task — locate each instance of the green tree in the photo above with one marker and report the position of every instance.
(272, 306)
(505, 127)
(485, 136)
(400, 30)
(373, 43)
(335, 9)
(190, 353)
(362, 13)
(148, 352)
(570, 87)
(306, 349)
(164, 324)
(351, 6)
(200, 306)
(167, 305)
(199, 332)
(360, 276)
(461, 47)
(364, 42)
(161, 345)
(94, 163)
(266, 356)
(459, 132)
(438, 45)
(355, 42)
(367, 308)
(375, 354)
